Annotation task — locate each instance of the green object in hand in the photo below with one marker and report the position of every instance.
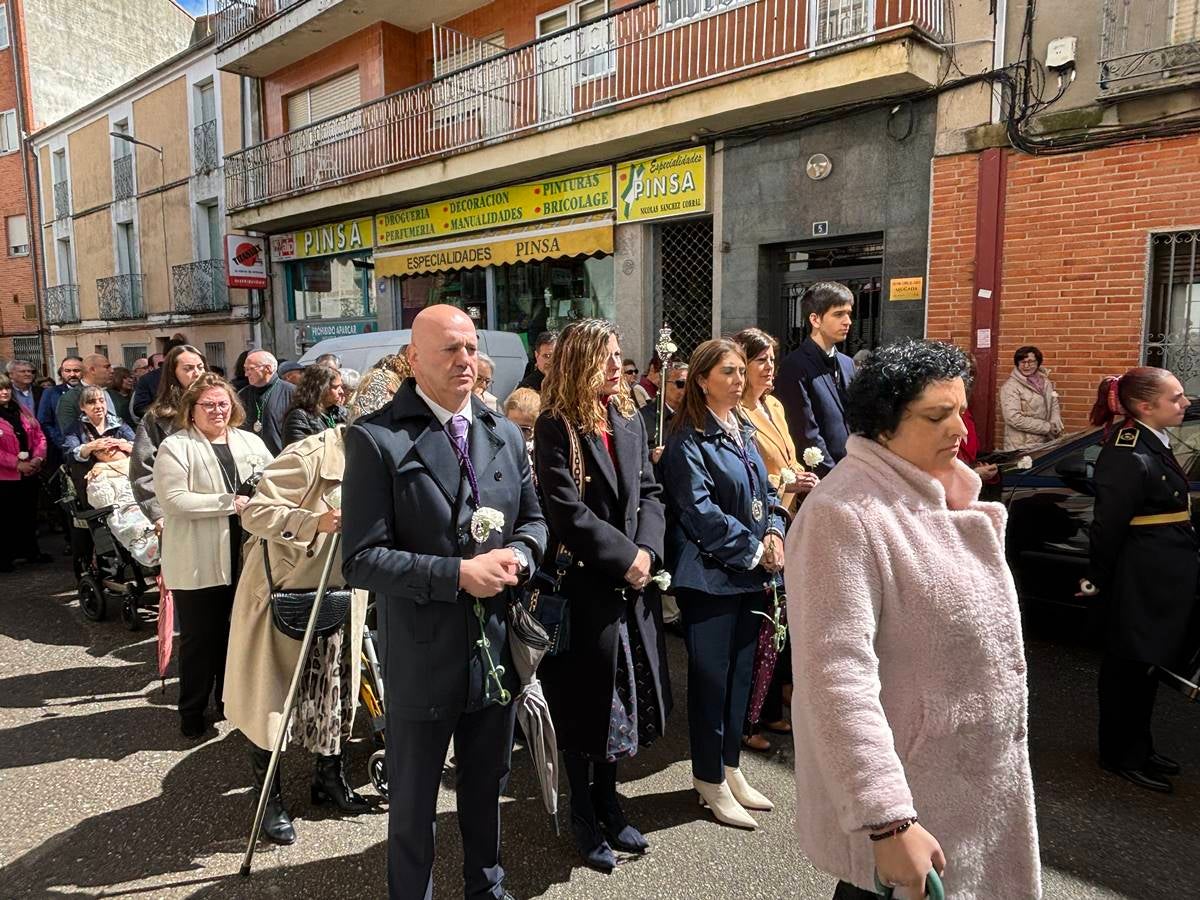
(495, 673)
(933, 887)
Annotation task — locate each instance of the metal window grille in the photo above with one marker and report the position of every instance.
(204, 147)
(685, 272)
(199, 287)
(859, 266)
(62, 304)
(62, 199)
(29, 347)
(123, 177)
(1172, 339)
(131, 353)
(214, 353)
(1144, 40)
(120, 297)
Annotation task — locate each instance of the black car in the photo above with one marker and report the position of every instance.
(1049, 495)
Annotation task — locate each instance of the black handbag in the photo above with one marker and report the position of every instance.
(290, 609)
(542, 596)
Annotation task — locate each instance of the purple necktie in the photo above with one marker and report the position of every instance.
(457, 429)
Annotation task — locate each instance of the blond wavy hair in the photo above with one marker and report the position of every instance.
(571, 390)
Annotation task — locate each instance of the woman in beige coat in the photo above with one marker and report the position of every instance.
(295, 509)
(1029, 403)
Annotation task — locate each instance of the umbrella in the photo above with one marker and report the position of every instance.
(528, 642)
(765, 658)
(1186, 681)
(166, 626)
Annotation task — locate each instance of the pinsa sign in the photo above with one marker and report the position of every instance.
(245, 261)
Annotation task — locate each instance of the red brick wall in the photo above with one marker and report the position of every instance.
(1076, 240)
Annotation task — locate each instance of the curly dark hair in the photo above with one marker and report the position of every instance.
(893, 377)
(312, 387)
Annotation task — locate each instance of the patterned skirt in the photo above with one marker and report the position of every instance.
(325, 706)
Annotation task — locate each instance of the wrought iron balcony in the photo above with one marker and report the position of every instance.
(62, 304)
(632, 56)
(123, 177)
(204, 147)
(62, 199)
(120, 297)
(237, 16)
(1143, 41)
(199, 287)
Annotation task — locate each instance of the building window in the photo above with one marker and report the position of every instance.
(332, 287)
(73, 351)
(9, 138)
(1172, 339)
(320, 101)
(214, 352)
(30, 348)
(3, 25)
(678, 12)
(17, 230)
(102, 349)
(130, 353)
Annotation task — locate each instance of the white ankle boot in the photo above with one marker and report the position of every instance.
(745, 795)
(718, 798)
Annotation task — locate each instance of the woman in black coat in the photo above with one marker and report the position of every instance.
(316, 404)
(609, 691)
(1144, 562)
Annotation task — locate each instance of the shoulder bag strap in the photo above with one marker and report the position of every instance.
(575, 464)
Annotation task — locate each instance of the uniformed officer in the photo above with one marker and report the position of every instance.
(1144, 562)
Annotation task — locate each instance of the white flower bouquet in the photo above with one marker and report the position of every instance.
(662, 579)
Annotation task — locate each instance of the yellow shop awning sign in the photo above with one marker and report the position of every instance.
(575, 193)
(572, 237)
(658, 187)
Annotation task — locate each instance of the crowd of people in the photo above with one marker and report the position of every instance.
(812, 529)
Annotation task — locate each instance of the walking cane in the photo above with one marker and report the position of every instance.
(305, 646)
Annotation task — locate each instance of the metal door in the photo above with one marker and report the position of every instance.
(857, 265)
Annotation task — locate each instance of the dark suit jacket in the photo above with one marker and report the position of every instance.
(1147, 573)
(144, 391)
(406, 517)
(274, 408)
(815, 413)
(621, 511)
(299, 424)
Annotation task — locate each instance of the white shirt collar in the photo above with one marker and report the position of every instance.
(1161, 435)
(729, 425)
(444, 415)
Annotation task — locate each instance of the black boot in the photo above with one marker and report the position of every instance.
(588, 840)
(276, 824)
(612, 820)
(329, 783)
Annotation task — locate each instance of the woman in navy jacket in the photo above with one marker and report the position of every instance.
(726, 547)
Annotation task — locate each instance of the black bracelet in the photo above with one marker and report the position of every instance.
(899, 829)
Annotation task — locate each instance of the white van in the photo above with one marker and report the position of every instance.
(361, 351)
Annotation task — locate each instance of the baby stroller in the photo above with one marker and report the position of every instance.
(105, 570)
(370, 693)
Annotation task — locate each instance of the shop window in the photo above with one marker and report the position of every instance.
(332, 287)
(532, 297)
(466, 289)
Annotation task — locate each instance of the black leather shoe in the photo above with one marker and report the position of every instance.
(329, 783)
(1162, 765)
(591, 844)
(1142, 779)
(192, 726)
(277, 825)
(616, 827)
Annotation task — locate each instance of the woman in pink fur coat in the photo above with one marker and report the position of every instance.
(909, 666)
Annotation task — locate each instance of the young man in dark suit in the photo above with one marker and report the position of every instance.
(422, 474)
(813, 379)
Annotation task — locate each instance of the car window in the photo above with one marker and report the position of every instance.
(1185, 441)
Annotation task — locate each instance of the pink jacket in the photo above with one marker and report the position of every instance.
(9, 448)
(909, 674)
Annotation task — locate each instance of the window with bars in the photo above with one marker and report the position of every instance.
(130, 353)
(1172, 339)
(102, 349)
(214, 352)
(677, 12)
(30, 347)
(685, 274)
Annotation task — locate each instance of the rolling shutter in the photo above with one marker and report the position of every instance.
(325, 99)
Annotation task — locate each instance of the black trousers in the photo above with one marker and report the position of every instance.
(203, 617)
(1127, 692)
(416, 753)
(18, 524)
(847, 891)
(721, 634)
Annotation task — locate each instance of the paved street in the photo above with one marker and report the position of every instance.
(102, 797)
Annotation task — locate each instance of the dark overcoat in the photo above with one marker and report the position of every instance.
(815, 408)
(1147, 574)
(406, 521)
(621, 511)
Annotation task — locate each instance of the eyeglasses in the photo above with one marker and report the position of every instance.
(218, 407)
(680, 383)
(527, 431)
(481, 380)
(631, 371)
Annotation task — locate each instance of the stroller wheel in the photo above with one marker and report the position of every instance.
(91, 598)
(377, 769)
(130, 615)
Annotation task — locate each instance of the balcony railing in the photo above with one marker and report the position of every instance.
(1143, 41)
(204, 147)
(120, 297)
(123, 177)
(237, 16)
(62, 304)
(631, 56)
(199, 287)
(62, 199)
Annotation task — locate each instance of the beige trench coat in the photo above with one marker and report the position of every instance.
(1031, 417)
(290, 499)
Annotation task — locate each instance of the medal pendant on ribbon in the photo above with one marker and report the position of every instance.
(756, 509)
(258, 427)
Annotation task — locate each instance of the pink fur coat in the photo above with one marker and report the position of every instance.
(909, 671)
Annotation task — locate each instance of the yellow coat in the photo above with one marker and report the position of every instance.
(774, 443)
(290, 499)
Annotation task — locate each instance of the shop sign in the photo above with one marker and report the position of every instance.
(313, 333)
(572, 194)
(245, 261)
(907, 288)
(325, 240)
(658, 187)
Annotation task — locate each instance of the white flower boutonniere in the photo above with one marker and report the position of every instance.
(1025, 462)
(484, 521)
(787, 475)
(256, 463)
(663, 580)
(813, 457)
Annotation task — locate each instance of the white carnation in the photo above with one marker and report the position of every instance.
(813, 457)
(484, 521)
(1025, 462)
(787, 475)
(663, 580)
